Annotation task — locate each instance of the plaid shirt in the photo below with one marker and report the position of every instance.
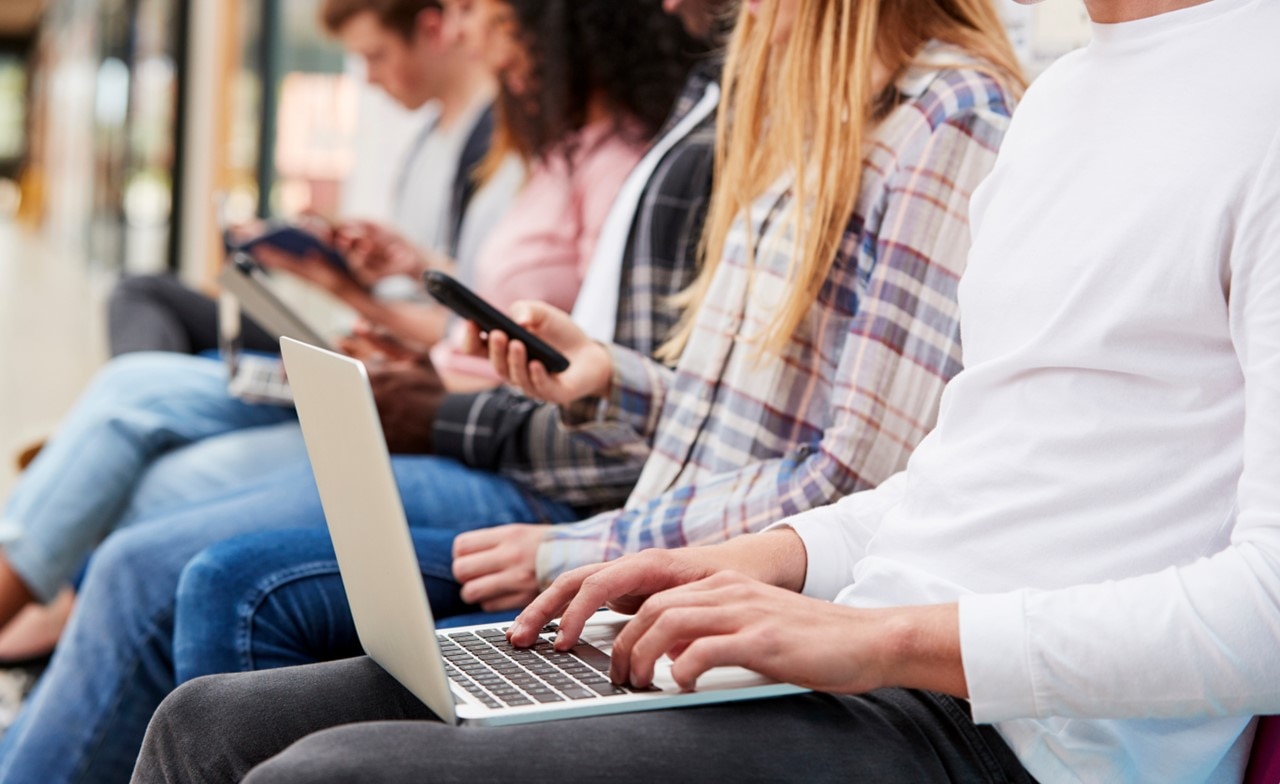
(502, 431)
(735, 443)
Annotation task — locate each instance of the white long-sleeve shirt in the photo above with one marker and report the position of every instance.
(1102, 491)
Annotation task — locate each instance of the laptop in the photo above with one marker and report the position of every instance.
(469, 674)
(255, 378)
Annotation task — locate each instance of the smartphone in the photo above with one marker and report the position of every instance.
(464, 302)
(296, 242)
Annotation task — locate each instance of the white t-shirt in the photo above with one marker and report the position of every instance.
(424, 187)
(1102, 490)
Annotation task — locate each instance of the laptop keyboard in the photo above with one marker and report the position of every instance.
(261, 380)
(499, 674)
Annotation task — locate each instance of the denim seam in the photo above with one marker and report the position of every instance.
(264, 588)
(972, 737)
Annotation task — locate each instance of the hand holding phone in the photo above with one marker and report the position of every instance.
(541, 350)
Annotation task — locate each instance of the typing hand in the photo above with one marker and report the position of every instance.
(731, 620)
(498, 566)
(590, 370)
(623, 585)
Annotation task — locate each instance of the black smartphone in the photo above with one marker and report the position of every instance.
(464, 302)
(297, 242)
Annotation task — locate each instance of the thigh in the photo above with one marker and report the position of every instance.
(888, 736)
(187, 319)
(216, 467)
(276, 599)
(444, 494)
(217, 728)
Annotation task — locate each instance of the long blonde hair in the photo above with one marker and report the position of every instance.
(812, 100)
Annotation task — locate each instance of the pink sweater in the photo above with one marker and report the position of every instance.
(541, 248)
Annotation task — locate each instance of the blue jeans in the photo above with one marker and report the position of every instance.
(86, 720)
(275, 599)
(102, 469)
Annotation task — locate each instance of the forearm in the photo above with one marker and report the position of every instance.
(776, 557)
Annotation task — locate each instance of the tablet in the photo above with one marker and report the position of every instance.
(245, 280)
(290, 239)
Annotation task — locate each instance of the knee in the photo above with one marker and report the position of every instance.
(116, 566)
(190, 714)
(142, 288)
(189, 734)
(231, 572)
(214, 578)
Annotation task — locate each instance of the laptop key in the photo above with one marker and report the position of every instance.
(592, 656)
(548, 697)
(577, 693)
(605, 688)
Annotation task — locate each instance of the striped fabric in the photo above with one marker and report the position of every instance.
(735, 443)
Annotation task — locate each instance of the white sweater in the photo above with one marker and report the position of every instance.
(1102, 491)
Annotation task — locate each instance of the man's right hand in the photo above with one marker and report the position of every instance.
(622, 585)
(775, 557)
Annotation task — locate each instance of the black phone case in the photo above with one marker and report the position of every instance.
(462, 301)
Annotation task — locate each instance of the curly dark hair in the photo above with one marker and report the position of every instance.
(628, 51)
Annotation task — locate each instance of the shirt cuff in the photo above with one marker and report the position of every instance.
(829, 564)
(636, 393)
(995, 652)
(561, 552)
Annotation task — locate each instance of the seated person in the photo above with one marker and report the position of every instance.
(638, 99)
(1075, 577)
(144, 406)
(408, 54)
(936, 120)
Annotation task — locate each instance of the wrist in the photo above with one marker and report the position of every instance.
(604, 382)
(776, 557)
(919, 648)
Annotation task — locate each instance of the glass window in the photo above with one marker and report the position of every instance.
(315, 115)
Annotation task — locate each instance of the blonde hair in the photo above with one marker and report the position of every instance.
(806, 108)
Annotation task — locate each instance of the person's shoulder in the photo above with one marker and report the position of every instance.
(946, 83)
(607, 150)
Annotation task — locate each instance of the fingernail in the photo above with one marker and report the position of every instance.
(559, 639)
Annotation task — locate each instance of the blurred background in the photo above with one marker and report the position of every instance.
(123, 121)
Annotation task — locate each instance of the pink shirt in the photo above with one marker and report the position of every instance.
(541, 248)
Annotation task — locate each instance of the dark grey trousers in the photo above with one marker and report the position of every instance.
(158, 313)
(349, 721)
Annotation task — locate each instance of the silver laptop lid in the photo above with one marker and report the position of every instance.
(246, 283)
(366, 519)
